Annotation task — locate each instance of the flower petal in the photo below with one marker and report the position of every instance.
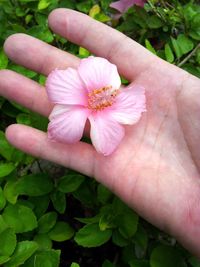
(122, 5)
(129, 105)
(66, 87)
(106, 134)
(67, 123)
(98, 72)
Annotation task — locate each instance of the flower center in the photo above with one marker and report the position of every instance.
(99, 99)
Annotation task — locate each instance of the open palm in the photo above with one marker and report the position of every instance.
(155, 170)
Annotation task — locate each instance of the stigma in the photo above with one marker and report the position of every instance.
(99, 99)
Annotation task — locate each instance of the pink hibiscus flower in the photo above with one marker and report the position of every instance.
(92, 92)
(123, 5)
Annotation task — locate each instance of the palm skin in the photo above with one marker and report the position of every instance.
(155, 170)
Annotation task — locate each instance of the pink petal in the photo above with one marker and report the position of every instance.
(67, 123)
(106, 134)
(129, 105)
(66, 87)
(122, 5)
(98, 72)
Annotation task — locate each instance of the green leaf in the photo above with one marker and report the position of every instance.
(166, 256)
(74, 264)
(150, 47)
(19, 217)
(168, 53)
(43, 4)
(185, 44)
(34, 185)
(23, 251)
(31, 185)
(2, 199)
(41, 204)
(154, 22)
(3, 60)
(70, 183)
(6, 150)
(8, 242)
(83, 52)
(103, 194)
(6, 169)
(49, 258)
(43, 241)
(59, 201)
(23, 71)
(141, 237)
(91, 236)
(4, 259)
(118, 239)
(47, 222)
(127, 223)
(23, 118)
(62, 231)
(176, 47)
(3, 224)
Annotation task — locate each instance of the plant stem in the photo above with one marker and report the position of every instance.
(189, 56)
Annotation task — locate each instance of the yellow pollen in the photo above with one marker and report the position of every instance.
(98, 99)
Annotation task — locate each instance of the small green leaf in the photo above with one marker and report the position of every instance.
(2, 199)
(83, 52)
(154, 22)
(150, 47)
(168, 53)
(4, 259)
(8, 242)
(118, 239)
(166, 256)
(19, 217)
(43, 4)
(3, 224)
(185, 44)
(23, 251)
(3, 60)
(103, 194)
(74, 264)
(43, 241)
(31, 185)
(6, 169)
(70, 183)
(47, 222)
(59, 201)
(62, 231)
(94, 11)
(91, 236)
(23, 118)
(176, 47)
(127, 223)
(49, 258)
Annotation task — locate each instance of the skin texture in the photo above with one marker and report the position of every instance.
(156, 169)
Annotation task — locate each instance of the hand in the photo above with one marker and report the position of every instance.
(156, 168)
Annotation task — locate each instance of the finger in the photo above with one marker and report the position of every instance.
(24, 91)
(130, 57)
(78, 156)
(36, 55)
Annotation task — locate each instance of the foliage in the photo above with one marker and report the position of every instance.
(55, 217)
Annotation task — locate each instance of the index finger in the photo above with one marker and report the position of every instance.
(130, 57)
